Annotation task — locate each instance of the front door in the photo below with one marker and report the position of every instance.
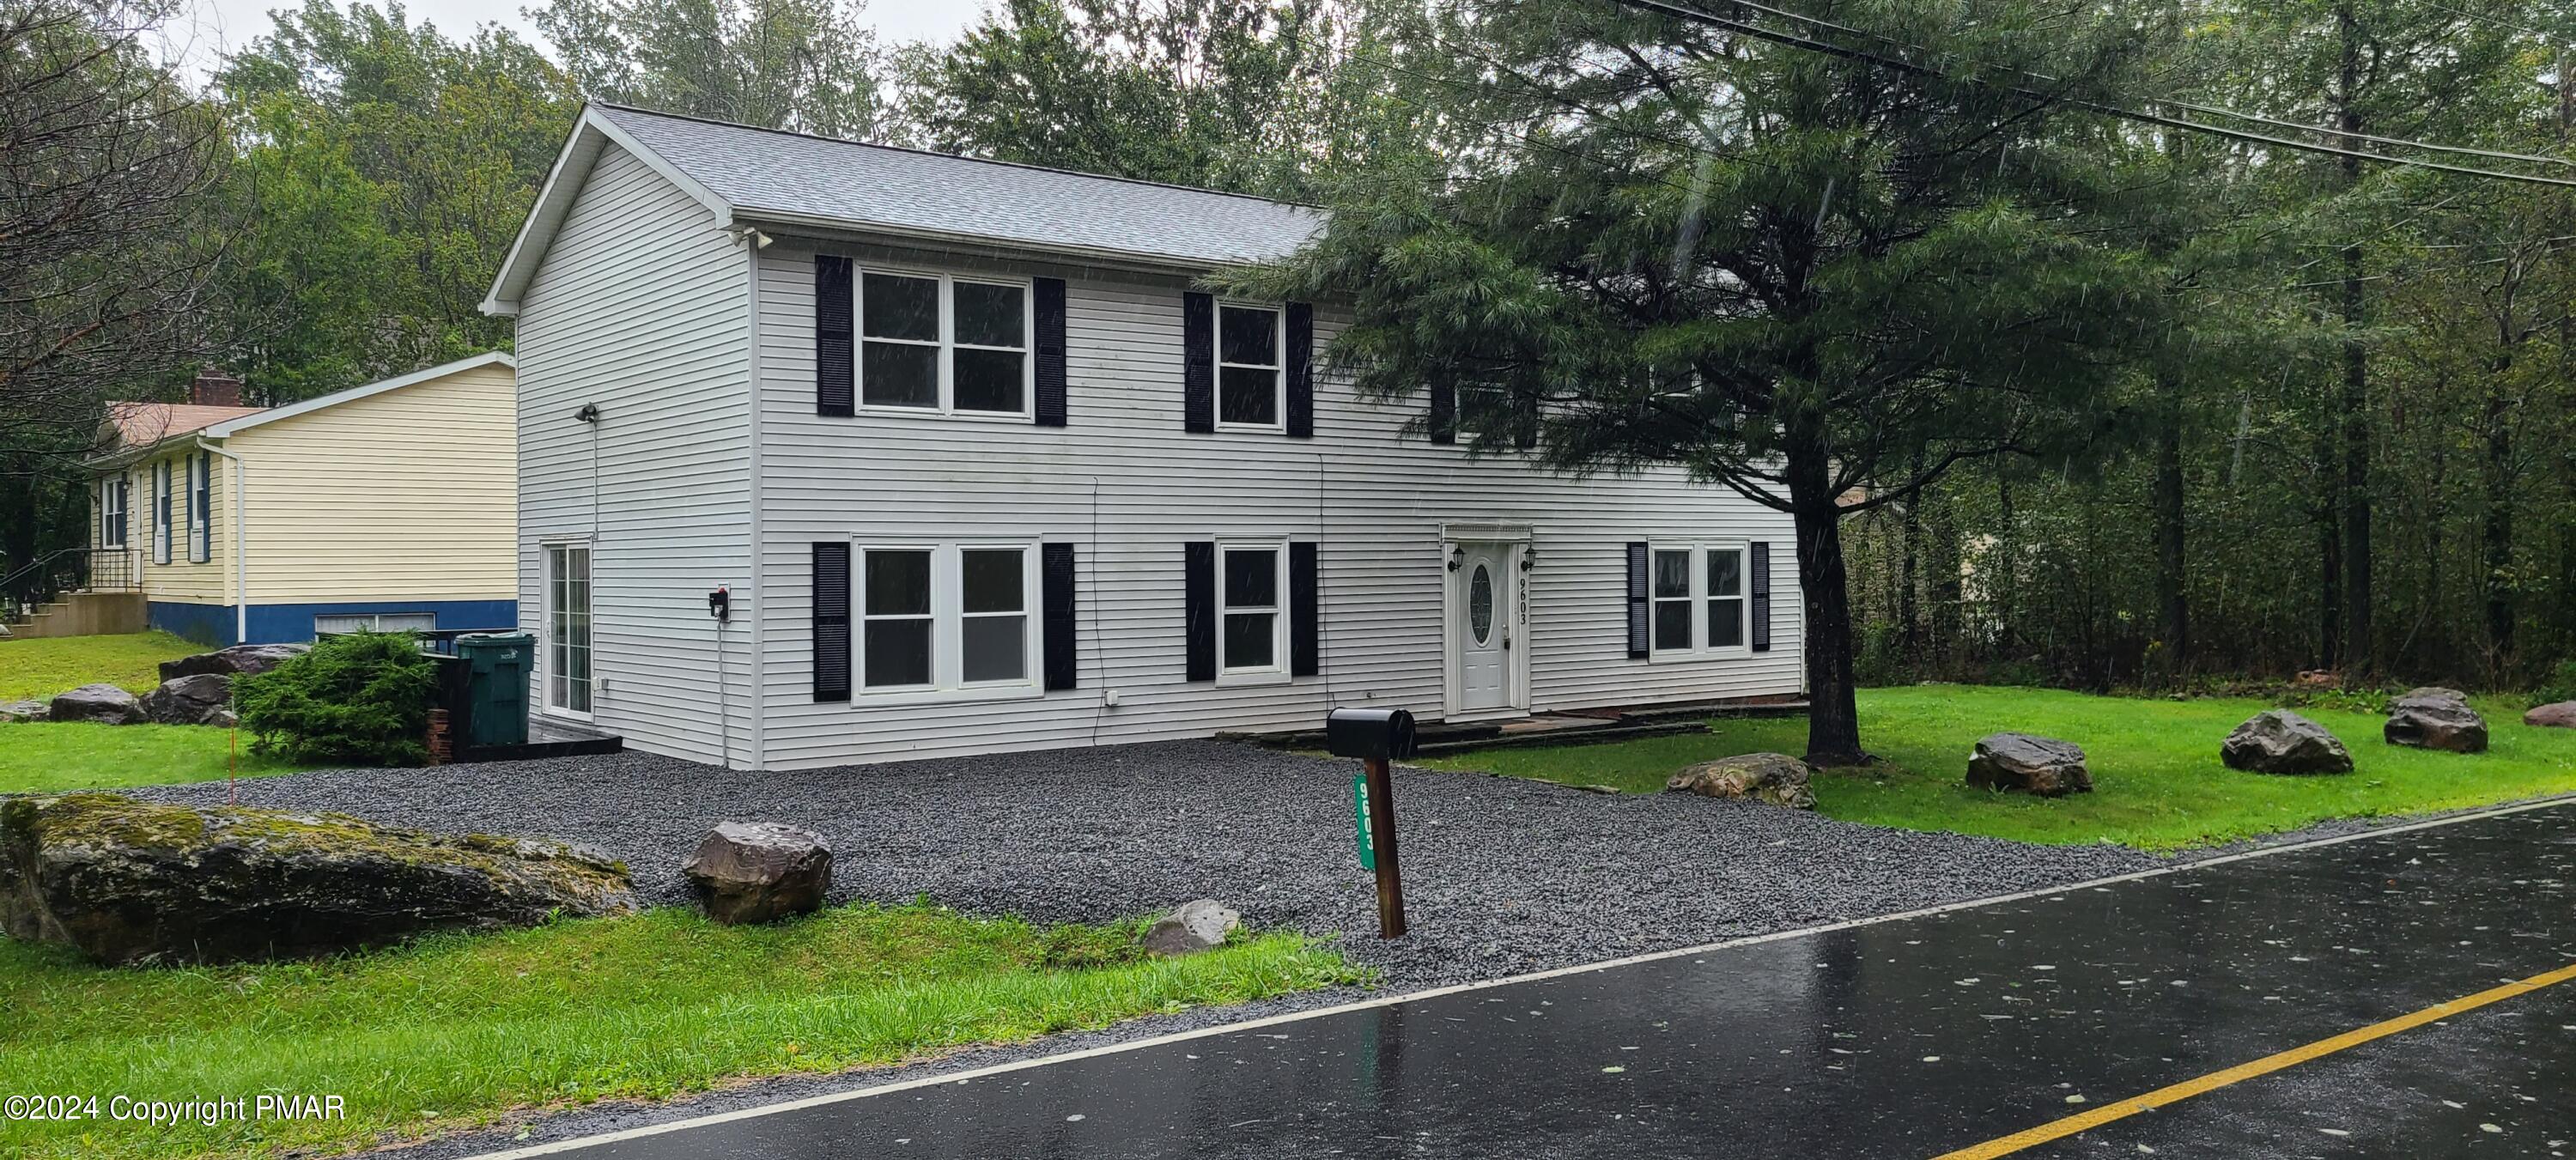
(1484, 630)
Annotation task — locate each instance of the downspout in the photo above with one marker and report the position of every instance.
(241, 542)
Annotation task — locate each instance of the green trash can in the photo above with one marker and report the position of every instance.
(496, 686)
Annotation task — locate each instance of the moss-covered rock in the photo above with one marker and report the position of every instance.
(132, 882)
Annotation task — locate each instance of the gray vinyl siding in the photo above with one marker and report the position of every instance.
(640, 308)
(1129, 487)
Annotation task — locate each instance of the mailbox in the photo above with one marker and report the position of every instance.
(1373, 734)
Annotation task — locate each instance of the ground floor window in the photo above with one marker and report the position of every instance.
(336, 622)
(1699, 598)
(945, 616)
(567, 616)
(1254, 636)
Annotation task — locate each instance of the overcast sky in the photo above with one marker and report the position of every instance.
(216, 27)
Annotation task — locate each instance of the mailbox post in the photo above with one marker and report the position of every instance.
(1376, 737)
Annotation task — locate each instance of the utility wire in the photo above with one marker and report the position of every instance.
(1793, 40)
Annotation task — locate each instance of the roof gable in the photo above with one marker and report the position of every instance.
(751, 175)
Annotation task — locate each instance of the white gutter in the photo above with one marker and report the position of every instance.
(241, 542)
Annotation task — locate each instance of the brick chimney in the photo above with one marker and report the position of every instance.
(214, 388)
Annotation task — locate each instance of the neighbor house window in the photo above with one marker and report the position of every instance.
(112, 497)
(1252, 635)
(338, 622)
(945, 616)
(201, 507)
(1699, 598)
(161, 512)
(1250, 391)
(932, 342)
(568, 628)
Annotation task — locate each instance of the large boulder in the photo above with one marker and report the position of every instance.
(759, 871)
(1197, 925)
(2561, 715)
(232, 662)
(196, 699)
(2436, 718)
(130, 882)
(105, 704)
(2040, 766)
(24, 711)
(2280, 741)
(1776, 778)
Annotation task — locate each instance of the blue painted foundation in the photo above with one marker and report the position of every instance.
(212, 624)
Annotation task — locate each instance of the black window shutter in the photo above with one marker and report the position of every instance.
(1055, 600)
(831, 621)
(1761, 568)
(1198, 362)
(124, 509)
(1050, 320)
(1637, 562)
(1198, 605)
(1301, 370)
(835, 362)
(1444, 413)
(1305, 650)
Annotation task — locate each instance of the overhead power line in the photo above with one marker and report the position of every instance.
(1794, 40)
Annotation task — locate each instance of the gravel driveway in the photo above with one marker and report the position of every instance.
(1501, 875)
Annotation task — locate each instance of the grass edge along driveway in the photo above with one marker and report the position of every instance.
(455, 1032)
(2158, 783)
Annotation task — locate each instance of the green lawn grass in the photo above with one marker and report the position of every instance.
(36, 670)
(455, 1031)
(51, 756)
(2157, 779)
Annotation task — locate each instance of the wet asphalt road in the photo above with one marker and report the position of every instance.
(1908, 1038)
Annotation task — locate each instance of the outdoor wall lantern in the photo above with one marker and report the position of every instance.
(1529, 557)
(1457, 557)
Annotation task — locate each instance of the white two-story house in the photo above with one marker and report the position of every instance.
(981, 466)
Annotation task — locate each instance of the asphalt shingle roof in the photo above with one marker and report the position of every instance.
(905, 190)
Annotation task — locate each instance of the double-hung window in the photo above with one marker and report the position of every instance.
(112, 495)
(933, 342)
(936, 617)
(201, 508)
(1251, 391)
(1253, 632)
(161, 512)
(1699, 598)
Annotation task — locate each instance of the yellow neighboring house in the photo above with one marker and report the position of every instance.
(388, 506)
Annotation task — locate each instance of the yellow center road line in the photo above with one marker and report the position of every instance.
(2060, 1129)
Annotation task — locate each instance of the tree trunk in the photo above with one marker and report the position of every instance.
(1833, 709)
(1942, 588)
(2329, 552)
(2173, 607)
(2355, 401)
(1909, 574)
(2495, 527)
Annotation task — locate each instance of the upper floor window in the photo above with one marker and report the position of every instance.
(1699, 598)
(1251, 391)
(934, 342)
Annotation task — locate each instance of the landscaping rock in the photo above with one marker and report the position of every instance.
(23, 711)
(196, 699)
(105, 704)
(130, 882)
(1196, 926)
(232, 662)
(2561, 715)
(747, 872)
(2280, 741)
(2436, 718)
(1776, 778)
(2040, 766)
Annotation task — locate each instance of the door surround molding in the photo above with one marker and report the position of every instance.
(1514, 540)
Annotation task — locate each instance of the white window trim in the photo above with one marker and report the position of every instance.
(546, 609)
(1278, 370)
(947, 625)
(1275, 672)
(114, 492)
(1698, 599)
(947, 344)
(375, 620)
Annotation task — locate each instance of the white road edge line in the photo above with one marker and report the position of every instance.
(581, 1142)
